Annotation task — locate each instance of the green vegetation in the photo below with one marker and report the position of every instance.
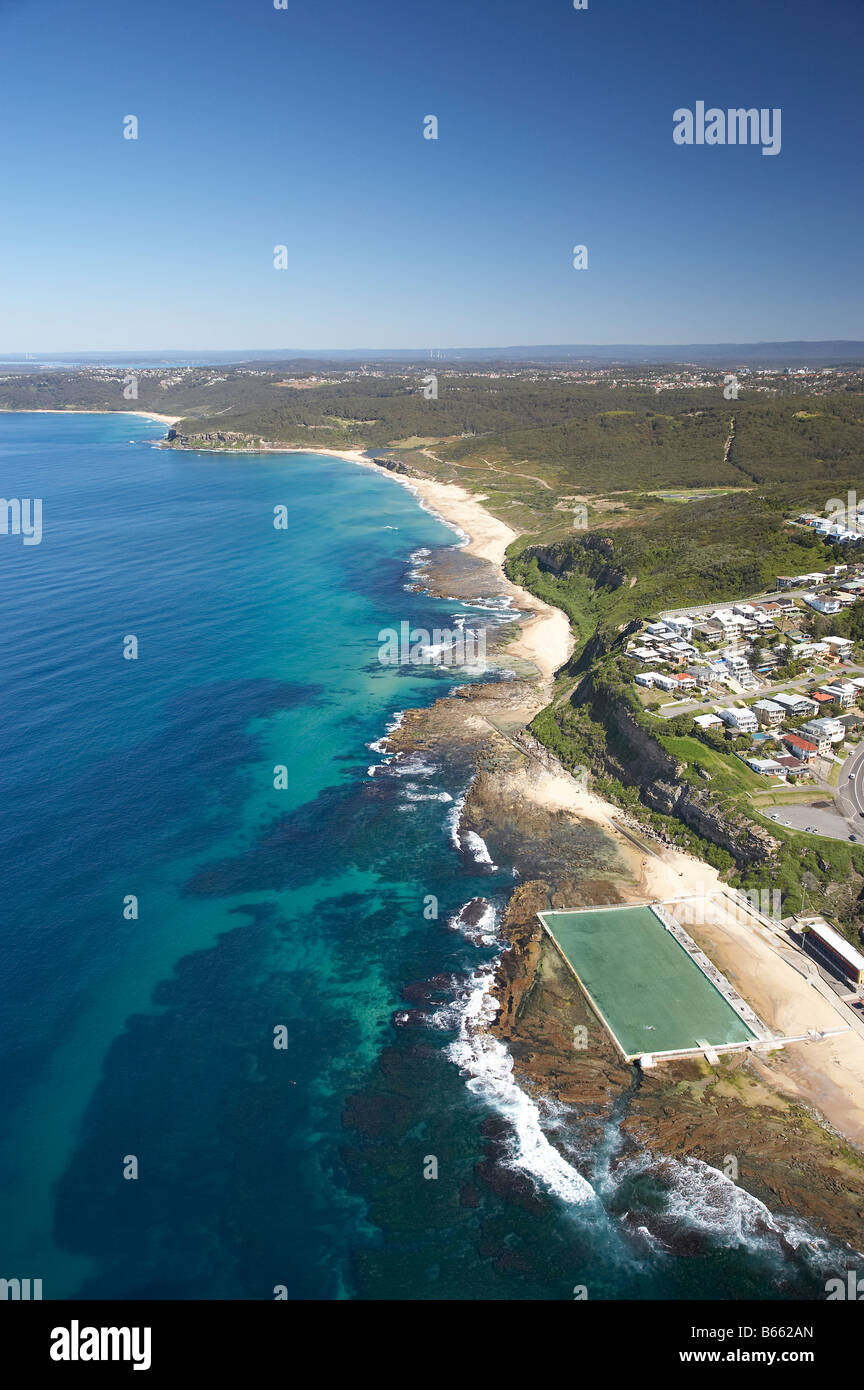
(687, 498)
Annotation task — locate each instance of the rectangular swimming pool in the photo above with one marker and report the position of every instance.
(652, 996)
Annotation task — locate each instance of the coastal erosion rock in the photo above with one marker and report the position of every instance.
(662, 788)
(542, 1007)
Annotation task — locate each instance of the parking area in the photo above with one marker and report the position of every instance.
(822, 815)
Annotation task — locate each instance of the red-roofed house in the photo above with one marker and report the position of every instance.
(802, 748)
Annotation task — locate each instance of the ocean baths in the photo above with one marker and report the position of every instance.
(656, 992)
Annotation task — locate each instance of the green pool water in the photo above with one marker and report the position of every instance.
(650, 992)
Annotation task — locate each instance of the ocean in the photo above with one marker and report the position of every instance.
(216, 1081)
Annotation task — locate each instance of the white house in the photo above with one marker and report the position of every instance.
(739, 718)
(831, 729)
(822, 605)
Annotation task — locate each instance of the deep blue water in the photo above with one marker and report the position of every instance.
(262, 909)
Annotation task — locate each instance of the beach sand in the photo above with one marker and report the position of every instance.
(146, 414)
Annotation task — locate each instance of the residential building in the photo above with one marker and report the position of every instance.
(817, 737)
(766, 767)
(801, 748)
(822, 605)
(795, 704)
(740, 719)
(843, 693)
(832, 729)
(769, 713)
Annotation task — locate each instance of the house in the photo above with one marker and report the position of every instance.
(737, 665)
(766, 767)
(843, 693)
(818, 737)
(684, 626)
(644, 678)
(832, 729)
(786, 581)
(795, 704)
(708, 721)
(769, 713)
(802, 651)
(740, 719)
(840, 644)
(792, 766)
(801, 748)
(710, 631)
(822, 605)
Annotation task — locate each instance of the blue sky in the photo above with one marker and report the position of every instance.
(304, 127)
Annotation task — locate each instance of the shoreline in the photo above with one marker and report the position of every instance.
(829, 1085)
(46, 410)
(545, 640)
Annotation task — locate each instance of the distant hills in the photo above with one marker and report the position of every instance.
(797, 353)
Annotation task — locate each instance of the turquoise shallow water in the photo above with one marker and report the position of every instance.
(300, 909)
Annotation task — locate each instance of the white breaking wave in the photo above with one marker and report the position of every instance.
(489, 1067)
(482, 932)
(454, 818)
(413, 765)
(477, 846)
(467, 840)
(704, 1199)
(380, 744)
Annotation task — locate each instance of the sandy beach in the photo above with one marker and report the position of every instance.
(545, 638)
(145, 414)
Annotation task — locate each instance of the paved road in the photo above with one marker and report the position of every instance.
(764, 692)
(754, 599)
(850, 792)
